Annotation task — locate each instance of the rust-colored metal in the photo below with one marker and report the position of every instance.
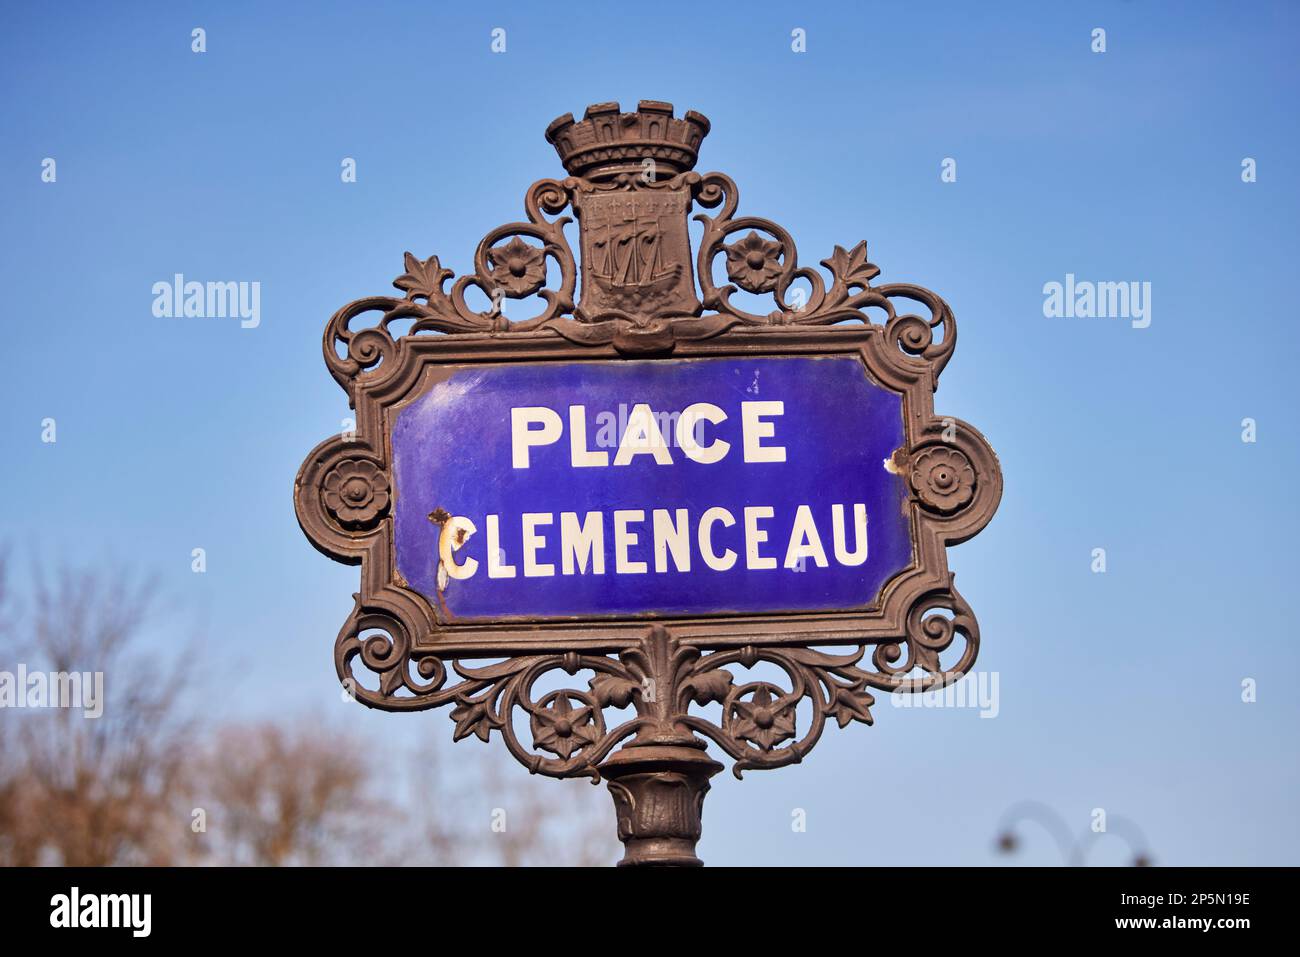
(658, 793)
(631, 168)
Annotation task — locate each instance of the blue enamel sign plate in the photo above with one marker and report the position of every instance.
(669, 487)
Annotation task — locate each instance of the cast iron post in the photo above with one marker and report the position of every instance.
(658, 792)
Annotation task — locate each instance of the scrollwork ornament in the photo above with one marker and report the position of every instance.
(661, 678)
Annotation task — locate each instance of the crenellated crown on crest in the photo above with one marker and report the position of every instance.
(608, 141)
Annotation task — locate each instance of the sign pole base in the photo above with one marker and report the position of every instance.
(658, 792)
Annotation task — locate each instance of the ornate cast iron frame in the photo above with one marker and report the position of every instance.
(666, 670)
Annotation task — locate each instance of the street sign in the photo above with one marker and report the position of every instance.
(645, 488)
(648, 491)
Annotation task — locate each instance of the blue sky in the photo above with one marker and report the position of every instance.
(1119, 690)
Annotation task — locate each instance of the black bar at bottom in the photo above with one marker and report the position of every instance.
(381, 908)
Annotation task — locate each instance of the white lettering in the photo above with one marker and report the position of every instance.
(642, 437)
(534, 543)
(755, 430)
(859, 553)
(804, 540)
(719, 563)
(755, 536)
(497, 567)
(591, 541)
(674, 538)
(690, 418)
(625, 539)
(522, 437)
(582, 457)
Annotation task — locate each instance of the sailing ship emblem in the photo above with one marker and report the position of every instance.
(636, 254)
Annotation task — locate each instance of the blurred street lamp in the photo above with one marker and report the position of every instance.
(1073, 852)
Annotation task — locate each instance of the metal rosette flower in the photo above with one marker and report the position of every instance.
(356, 492)
(954, 476)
